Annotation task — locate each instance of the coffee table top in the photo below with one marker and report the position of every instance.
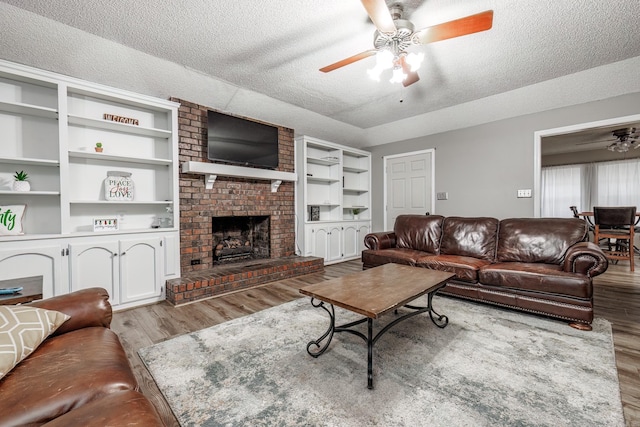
(378, 290)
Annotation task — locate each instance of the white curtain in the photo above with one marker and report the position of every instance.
(614, 183)
(618, 183)
(560, 189)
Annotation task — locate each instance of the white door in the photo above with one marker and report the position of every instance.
(140, 269)
(95, 265)
(409, 185)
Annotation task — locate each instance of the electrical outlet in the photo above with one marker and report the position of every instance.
(524, 193)
(195, 262)
(442, 196)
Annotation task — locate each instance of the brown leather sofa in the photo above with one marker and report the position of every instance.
(539, 265)
(79, 376)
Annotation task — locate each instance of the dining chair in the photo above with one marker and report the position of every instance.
(616, 223)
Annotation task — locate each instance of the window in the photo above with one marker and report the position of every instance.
(615, 183)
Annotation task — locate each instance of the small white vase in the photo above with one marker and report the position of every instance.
(21, 186)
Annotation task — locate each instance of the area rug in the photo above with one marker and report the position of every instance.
(488, 367)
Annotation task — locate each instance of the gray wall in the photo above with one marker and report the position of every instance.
(482, 167)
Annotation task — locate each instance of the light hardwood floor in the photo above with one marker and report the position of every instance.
(617, 299)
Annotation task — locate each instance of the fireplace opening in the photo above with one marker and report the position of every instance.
(240, 238)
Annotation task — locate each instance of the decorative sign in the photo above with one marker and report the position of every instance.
(120, 119)
(118, 186)
(105, 224)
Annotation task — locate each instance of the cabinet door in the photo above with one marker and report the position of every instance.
(140, 269)
(363, 230)
(319, 242)
(95, 264)
(42, 261)
(350, 240)
(334, 244)
(171, 256)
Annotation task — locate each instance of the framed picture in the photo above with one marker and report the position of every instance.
(314, 213)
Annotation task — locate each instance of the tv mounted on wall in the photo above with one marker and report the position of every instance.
(242, 142)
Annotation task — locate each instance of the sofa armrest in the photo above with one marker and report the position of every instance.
(87, 308)
(585, 258)
(382, 240)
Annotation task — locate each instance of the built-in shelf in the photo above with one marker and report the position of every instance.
(323, 162)
(322, 180)
(26, 109)
(354, 191)
(212, 170)
(29, 161)
(116, 158)
(28, 193)
(354, 170)
(118, 127)
(118, 202)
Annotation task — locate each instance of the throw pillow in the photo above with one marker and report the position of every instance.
(11, 220)
(22, 330)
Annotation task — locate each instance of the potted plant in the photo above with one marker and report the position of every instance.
(356, 212)
(21, 182)
(98, 147)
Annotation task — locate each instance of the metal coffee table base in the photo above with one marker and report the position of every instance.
(316, 348)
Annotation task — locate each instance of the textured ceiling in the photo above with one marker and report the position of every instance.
(276, 47)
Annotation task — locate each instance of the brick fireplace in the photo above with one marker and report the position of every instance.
(230, 197)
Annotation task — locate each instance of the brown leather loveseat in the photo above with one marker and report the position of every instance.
(79, 376)
(539, 265)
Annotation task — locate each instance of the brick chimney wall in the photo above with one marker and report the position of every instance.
(229, 196)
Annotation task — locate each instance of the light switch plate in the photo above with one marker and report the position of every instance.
(442, 196)
(524, 193)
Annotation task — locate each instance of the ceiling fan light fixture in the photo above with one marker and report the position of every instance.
(415, 60)
(398, 75)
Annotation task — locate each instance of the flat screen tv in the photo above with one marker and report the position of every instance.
(242, 142)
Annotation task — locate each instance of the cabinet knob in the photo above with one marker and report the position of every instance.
(123, 253)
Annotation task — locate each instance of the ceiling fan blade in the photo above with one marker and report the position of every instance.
(459, 27)
(380, 15)
(349, 60)
(412, 76)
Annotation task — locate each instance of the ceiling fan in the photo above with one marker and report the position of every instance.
(394, 35)
(623, 139)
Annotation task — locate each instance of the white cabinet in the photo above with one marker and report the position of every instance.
(50, 126)
(94, 264)
(130, 270)
(47, 260)
(353, 236)
(325, 241)
(333, 189)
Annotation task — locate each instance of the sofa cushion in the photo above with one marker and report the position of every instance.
(542, 278)
(544, 240)
(465, 268)
(371, 257)
(419, 232)
(66, 372)
(470, 237)
(22, 330)
(123, 408)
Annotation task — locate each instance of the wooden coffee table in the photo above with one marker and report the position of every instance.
(373, 293)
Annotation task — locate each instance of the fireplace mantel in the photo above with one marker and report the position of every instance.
(212, 170)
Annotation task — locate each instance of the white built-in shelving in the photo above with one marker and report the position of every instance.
(51, 124)
(335, 181)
